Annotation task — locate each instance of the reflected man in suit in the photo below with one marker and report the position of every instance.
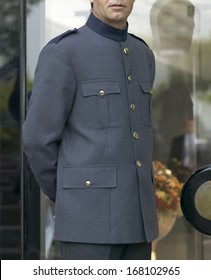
(183, 149)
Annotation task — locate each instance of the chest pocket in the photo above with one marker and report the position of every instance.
(146, 102)
(101, 101)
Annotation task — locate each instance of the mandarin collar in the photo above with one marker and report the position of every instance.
(106, 30)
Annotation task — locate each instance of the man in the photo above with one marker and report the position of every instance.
(172, 25)
(183, 147)
(88, 137)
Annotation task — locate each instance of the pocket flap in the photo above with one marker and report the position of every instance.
(89, 176)
(90, 88)
(146, 87)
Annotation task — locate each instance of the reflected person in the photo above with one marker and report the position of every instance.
(172, 24)
(182, 158)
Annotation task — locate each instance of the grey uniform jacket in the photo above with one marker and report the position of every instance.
(88, 134)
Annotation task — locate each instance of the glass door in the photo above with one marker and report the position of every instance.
(181, 108)
(10, 221)
(179, 33)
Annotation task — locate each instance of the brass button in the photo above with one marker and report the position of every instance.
(132, 107)
(102, 93)
(138, 163)
(126, 51)
(135, 135)
(88, 184)
(129, 78)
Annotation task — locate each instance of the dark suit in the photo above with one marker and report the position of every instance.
(201, 149)
(88, 135)
(178, 148)
(183, 155)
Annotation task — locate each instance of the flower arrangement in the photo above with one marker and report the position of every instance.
(179, 170)
(167, 190)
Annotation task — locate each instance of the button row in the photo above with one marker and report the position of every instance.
(126, 52)
(132, 108)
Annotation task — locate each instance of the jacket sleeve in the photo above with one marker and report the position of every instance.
(152, 68)
(49, 106)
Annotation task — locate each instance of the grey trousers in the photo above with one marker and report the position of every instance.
(83, 251)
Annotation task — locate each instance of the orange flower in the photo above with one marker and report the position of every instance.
(167, 190)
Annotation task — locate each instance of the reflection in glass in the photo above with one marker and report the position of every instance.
(182, 95)
(172, 23)
(9, 131)
(10, 157)
(182, 159)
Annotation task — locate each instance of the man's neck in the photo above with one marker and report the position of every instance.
(116, 24)
(106, 30)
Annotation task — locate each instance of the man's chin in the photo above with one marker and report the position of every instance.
(118, 17)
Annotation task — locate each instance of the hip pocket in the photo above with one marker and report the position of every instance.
(89, 176)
